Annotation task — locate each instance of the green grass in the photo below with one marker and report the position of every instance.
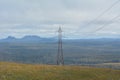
(15, 71)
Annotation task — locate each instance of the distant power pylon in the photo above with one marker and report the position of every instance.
(60, 60)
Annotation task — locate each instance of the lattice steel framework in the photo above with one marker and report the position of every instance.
(60, 60)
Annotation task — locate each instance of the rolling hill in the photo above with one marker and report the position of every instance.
(15, 71)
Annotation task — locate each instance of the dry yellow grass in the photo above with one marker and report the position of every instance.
(15, 71)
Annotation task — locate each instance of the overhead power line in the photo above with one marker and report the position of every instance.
(105, 24)
(109, 8)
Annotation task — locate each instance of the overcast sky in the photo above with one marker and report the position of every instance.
(43, 17)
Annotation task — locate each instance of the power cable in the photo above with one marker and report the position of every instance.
(105, 25)
(102, 13)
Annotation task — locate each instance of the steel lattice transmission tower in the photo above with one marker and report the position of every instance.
(60, 60)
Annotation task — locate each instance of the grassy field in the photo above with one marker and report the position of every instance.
(15, 71)
(109, 65)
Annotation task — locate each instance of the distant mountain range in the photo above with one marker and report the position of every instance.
(27, 39)
(35, 38)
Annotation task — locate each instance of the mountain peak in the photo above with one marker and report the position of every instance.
(10, 37)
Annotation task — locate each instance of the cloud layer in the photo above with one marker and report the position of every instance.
(42, 17)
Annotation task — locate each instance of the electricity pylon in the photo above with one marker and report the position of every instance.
(60, 60)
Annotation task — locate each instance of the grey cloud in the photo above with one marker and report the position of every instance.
(20, 17)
